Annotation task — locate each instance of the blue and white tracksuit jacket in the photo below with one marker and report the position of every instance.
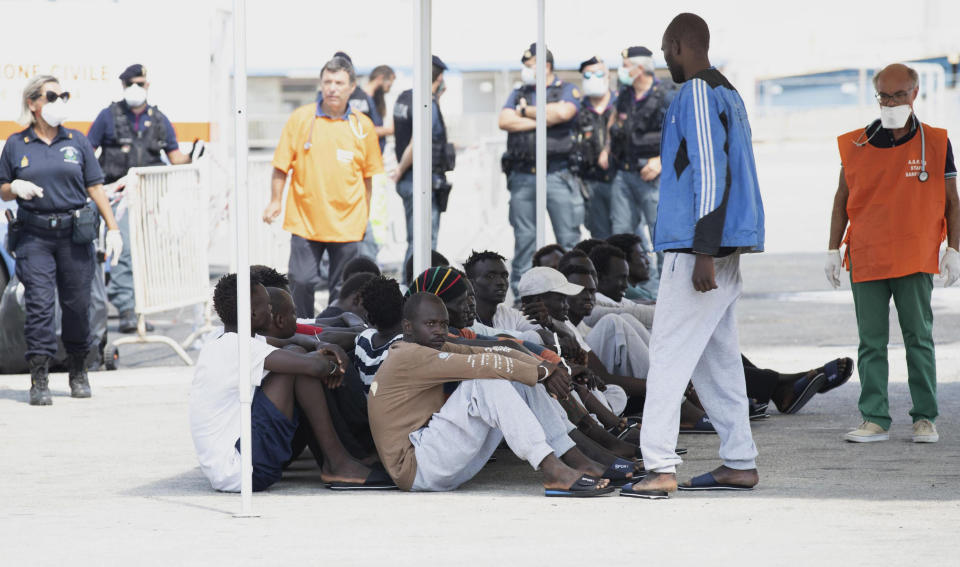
(709, 194)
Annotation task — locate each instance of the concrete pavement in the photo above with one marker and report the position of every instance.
(113, 479)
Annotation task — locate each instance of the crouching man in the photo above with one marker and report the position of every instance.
(427, 443)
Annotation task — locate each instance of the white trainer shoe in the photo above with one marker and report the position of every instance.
(868, 432)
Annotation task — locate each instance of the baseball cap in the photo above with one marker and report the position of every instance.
(543, 279)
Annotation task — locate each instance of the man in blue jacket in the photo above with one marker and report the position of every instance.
(709, 213)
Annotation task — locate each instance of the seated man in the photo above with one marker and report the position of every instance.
(349, 298)
(548, 256)
(359, 265)
(284, 383)
(640, 286)
(383, 303)
(588, 244)
(612, 271)
(427, 443)
(488, 272)
(436, 259)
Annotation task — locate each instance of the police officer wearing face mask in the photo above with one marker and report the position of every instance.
(641, 106)
(51, 171)
(592, 154)
(443, 156)
(564, 200)
(132, 133)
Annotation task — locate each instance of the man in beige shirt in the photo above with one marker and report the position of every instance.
(427, 443)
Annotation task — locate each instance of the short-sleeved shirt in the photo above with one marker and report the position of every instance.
(568, 93)
(64, 169)
(368, 358)
(103, 132)
(327, 197)
(215, 406)
(360, 101)
(403, 122)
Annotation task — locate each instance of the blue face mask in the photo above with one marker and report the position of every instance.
(623, 73)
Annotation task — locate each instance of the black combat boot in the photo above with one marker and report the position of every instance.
(39, 374)
(77, 367)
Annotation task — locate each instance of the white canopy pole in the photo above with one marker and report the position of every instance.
(241, 205)
(422, 138)
(541, 127)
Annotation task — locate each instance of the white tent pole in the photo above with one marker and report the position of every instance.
(240, 212)
(541, 127)
(422, 138)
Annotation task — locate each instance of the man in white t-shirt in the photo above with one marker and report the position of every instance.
(612, 272)
(285, 383)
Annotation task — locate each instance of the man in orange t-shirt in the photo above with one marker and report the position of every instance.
(332, 153)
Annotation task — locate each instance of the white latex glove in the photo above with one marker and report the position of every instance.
(25, 189)
(113, 246)
(950, 266)
(832, 268)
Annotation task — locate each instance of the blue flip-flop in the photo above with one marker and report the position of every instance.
(835, 378)
(702, 425)
(803, 390)
(584, 487)
(706, 481)
(628, 491)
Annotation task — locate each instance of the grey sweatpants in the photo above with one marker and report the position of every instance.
(459, 439)
(695, 336)
(620, 342)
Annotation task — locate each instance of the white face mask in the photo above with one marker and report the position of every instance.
(54, 113)
(623, 73)
(893, 117)
(595, 86)
(528, 75)
(135, 95)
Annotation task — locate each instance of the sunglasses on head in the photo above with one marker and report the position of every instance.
(52, 96)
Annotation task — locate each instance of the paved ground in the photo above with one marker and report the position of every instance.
(114, 480)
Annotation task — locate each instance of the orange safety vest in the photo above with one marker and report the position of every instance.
(896, 221)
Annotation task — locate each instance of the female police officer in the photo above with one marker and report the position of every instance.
(51, 170)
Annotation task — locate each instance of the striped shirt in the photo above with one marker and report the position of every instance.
(367, 358)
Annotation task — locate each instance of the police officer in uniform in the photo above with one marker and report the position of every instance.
(564, 200)
(443, 156)
(592, 155)
(641, 106)
(51, 170)
(131, 133)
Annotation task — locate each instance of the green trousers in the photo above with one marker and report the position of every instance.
(911, 295)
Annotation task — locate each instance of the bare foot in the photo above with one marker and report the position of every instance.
(726, 475)
(558, 476)
(666, 482)
(348, 471)
(577, 460)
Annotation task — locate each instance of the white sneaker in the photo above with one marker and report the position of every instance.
(868, 432)
(924, 431)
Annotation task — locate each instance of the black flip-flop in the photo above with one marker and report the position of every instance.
(706, 481)
(584, 487)
(681, 451)
(376, 480)
(802, 392)
(703, 425)
(617, 472)
(835, 378)
(758, 410)
(629, 492)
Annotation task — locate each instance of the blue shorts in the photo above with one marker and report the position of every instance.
(272, 434)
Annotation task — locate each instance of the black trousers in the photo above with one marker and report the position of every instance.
(304, 269)
(49, 264)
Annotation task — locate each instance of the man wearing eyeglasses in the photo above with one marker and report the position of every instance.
(896, 201)
(131, 133)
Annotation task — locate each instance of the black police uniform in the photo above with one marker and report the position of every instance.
(442, 159)
(592, 137)
(50, 261)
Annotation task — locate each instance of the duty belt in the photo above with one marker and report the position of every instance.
(46, 221)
